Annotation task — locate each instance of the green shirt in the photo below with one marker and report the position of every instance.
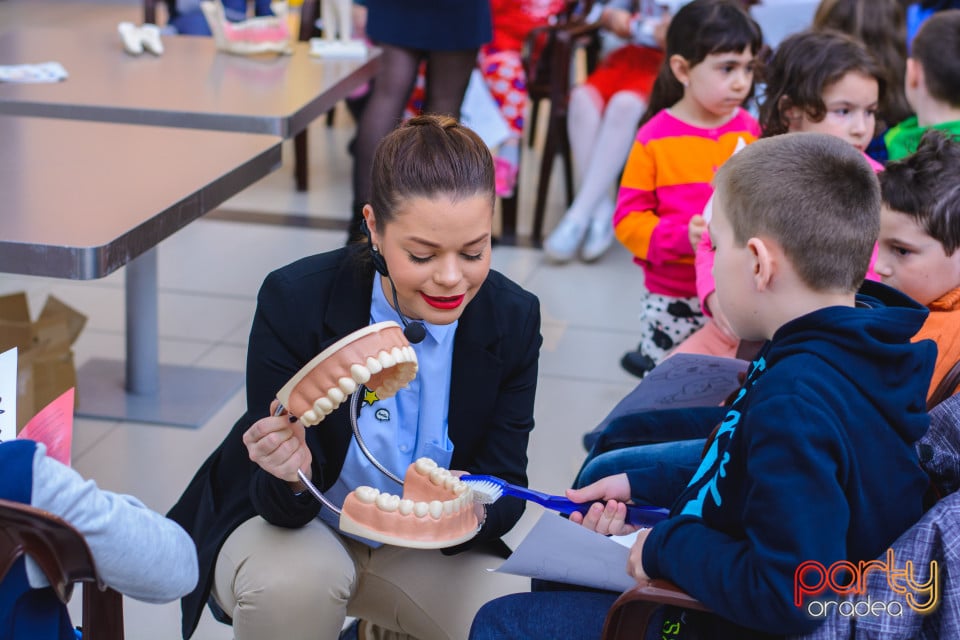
(903, 139)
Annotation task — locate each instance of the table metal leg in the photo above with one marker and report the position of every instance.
(143, 334)
(140, 389)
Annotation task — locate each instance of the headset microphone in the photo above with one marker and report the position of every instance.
(414, 332)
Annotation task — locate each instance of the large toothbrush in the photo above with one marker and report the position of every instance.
(489, 489)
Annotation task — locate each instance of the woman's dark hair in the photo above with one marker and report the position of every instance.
(804, 65)
(881, 25)
(697, 30)
(425, 157)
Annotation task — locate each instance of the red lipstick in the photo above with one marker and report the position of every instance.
(450, 302)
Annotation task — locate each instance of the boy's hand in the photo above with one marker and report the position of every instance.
(605, 519)
(608, 519)
(635, 559)
(610, 488)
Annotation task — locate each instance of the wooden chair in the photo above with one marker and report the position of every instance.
(632, 611)
(63, 556)
(548, 56)
(308, 15)
(548, 59)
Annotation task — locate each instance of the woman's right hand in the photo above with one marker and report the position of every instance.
(279, 447)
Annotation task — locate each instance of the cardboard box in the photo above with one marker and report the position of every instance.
(45, 367)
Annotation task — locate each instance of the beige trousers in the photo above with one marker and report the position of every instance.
(301, 583)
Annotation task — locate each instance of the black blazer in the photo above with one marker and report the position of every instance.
(303, 308)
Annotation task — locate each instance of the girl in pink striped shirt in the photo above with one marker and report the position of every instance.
(693, 124)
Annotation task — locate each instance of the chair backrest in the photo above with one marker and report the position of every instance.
(62, 554)
(548, 51)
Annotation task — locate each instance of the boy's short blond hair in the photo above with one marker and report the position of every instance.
(812, 193)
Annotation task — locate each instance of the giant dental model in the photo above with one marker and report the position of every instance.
(436, 509)
(265, 34)
(378, 357)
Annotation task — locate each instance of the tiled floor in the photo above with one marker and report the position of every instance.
(209, 274)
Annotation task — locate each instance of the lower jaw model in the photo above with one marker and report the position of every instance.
(436, 510)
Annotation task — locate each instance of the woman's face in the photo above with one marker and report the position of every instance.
(437, 252)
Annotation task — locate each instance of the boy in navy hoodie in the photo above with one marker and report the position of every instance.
(814, 459)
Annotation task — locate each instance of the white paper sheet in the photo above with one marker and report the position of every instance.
(557, 549)
(8, 394)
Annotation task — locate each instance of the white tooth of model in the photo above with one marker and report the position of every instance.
(425, 465)
(360, 373)
(367, 495)
(374, 365)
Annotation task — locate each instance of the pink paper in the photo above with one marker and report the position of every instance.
(53, 426)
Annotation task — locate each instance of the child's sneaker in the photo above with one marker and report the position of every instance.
(599, 239)
(505, 176)
(638, 363)
(563, 242)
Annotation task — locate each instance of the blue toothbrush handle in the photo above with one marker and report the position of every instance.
(637, 515)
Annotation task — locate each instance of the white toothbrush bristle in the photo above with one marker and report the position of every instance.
(484, 491)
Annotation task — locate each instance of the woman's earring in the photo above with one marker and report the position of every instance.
(685, 83)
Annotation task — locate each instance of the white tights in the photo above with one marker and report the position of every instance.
(600, 140)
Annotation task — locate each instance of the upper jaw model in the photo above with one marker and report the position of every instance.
(378, 357)
(436, 509)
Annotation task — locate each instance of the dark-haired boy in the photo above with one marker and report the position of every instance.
(920, 238)
(932, 84)
(814, 461)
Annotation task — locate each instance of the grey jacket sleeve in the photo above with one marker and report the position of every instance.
(136, 550)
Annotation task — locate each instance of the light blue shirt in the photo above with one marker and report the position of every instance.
(410, 425)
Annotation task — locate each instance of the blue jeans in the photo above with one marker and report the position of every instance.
(659, 450)
(571, 615)
(658, 472)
